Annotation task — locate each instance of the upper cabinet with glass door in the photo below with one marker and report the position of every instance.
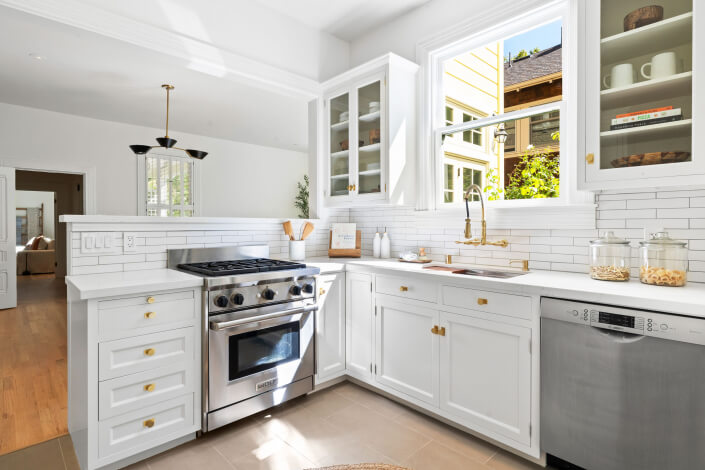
(642, 83)
(369, 128)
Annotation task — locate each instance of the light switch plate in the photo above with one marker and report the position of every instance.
(100, 243)
(128, 242)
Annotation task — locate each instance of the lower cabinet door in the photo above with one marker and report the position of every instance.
(407, 348)
(147, 427)
(359, 315)
(330, 326)
(486, 375)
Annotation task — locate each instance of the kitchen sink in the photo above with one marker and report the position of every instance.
(490, 273)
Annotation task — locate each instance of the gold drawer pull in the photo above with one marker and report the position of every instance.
(149, 388)
(403, 289)
(149, 315)
(150, 300)
(442, 331)
(434, 330)
(321, 291)
(590, 158)
(148, 423)
(149, 352)
(481, 301)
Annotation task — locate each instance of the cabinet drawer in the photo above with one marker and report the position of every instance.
(130, 320)
(128, 356)
(517, 306)
(405, 287)
(134, 391)
(145, 300)
(147, 427)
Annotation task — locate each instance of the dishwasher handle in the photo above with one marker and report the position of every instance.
(618, 336)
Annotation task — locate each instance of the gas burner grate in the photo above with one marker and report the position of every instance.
(240, 266)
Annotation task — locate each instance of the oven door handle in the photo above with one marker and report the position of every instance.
(224, 325)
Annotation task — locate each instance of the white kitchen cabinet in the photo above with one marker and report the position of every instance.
(330, 327)
(359, 319)
(368, 127)
(486, 374)
(663, 154)
(407, 348)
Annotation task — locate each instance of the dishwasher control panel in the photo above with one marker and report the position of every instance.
(640, 322)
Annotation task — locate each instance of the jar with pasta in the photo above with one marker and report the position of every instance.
(664, 261)
(609, 258)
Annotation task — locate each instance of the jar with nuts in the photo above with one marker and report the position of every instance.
(610, 258)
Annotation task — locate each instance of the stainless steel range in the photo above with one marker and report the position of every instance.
(258, 330)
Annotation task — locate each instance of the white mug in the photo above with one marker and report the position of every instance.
(620, 76)
(661, 66)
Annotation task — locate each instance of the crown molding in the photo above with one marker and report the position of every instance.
(199, 55)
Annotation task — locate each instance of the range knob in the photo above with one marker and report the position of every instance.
(295, 290)
(308, 288)
(238, 299)
(268, 294)
(221, 301)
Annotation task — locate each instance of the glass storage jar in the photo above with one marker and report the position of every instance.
(610, 258)
(664, 261)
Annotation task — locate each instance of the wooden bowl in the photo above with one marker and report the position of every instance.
(643, 16)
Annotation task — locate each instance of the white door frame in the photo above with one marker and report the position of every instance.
(8, 256)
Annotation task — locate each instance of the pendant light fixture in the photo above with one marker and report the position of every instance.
(166, 141)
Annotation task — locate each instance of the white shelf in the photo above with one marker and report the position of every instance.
(339, 125)
(342, 153)
(665, 129)
(370, 148)
(370, 172)
(676, 85)
(656, 37)
(339, 177)
(369, 117)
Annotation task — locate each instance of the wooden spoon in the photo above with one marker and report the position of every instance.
(308, 229)
(288, 229)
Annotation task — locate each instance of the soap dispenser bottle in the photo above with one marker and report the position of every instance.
(376, 245)
(386, 245)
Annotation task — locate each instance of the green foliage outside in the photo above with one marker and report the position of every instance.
(535, 176)
(492, 188)
(301, 199)
(522, 53)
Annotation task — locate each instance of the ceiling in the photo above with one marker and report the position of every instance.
(91, 75)
(345, 19)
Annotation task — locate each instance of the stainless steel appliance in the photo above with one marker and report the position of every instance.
(258, 329)
(621, 388)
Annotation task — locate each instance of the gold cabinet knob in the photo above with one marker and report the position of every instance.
(442, 331)
(590, 158)
(350, 187)
(150, 300)
(149, 315)
(353, 187)
(434, 330)
(321, 291)
(149, 352)
(481, 301)
(148, 423)
(149, 388)
(403, 289)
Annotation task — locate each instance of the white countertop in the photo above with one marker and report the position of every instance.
(92, 286)
(688, 300)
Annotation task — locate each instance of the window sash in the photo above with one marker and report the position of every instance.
(165, 193)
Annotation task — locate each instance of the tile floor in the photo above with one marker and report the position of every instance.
(340, 425)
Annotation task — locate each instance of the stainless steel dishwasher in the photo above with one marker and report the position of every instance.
(622, 389)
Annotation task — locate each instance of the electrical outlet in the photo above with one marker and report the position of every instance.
(128, 242)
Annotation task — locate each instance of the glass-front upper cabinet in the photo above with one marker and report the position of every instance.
(641, 81)
(369, 126)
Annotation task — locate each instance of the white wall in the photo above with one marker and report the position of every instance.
(238, 180)
(36, 199)
(402, 35)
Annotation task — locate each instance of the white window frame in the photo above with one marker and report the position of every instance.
(573, 209)
(172, 155)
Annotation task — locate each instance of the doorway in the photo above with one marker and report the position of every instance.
(33, 375)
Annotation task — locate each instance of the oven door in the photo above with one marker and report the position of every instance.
(260, 352)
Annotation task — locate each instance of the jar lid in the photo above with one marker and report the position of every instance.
(661, 239)
(609, 239)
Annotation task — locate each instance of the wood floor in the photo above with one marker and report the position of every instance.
(33, 364)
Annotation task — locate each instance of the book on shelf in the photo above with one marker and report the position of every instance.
(649, 122)
(644, 111)
(647, 116)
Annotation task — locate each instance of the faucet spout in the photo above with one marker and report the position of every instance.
(474, 189)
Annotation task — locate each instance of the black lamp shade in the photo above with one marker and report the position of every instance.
(166, 142)
(197, 154)
(140, 149)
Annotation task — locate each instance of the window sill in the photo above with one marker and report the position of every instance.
(523, 214)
